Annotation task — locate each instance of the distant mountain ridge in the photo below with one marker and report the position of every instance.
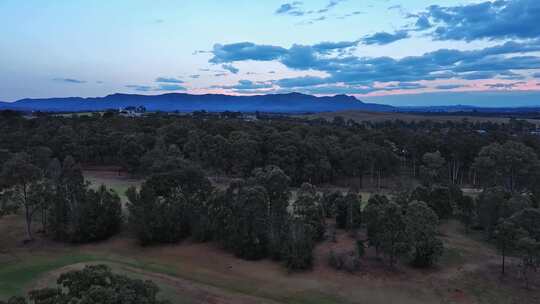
(277, 103)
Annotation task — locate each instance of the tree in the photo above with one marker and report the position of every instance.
(21, 179)
(392, 236)
(466, 211)
(528, 219)
(276, 183)
(158, 215)
(507, 236)
(349, 212)
(94, 284)
(492, 207)
(508, 165)
(308, 207)
(421, 228)
(433, 164)
(329, 203)
(441, 199)
(373, 214)
(530, 257)
(247, 222)
(297, 249)
(100, 218)
(77, 213)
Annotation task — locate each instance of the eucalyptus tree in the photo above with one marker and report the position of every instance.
(21, 182)
(421, 229)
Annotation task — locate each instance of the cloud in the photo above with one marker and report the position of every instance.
(230, 68)
(295, 9)
(330, 6)
(246, 85)
(404, 86)
(498, 98)
(502, 60)
(355, 13)
(383, 38)
(478, 75)
(450, 86)
(170, 87)
(422, 23)
(140, 88)
(505, 86)
(195, 76)
(536, 75)
(292, 9)
(69, 80)
(327, 47)
(169, 80)
(197, 52)
(329, 90)
(245, 51)
(304, 81)
(491, 20)
(509, 75)
(161, 87)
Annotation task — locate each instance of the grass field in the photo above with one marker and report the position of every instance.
(203, 273)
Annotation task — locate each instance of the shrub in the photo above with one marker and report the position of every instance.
(348, 261)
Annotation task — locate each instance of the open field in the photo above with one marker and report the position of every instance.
(114, 179)
(360, 116)
(203, 273)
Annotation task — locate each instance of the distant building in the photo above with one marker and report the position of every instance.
(132, 111)
(249, 117)
(535, 132)
(481, 131)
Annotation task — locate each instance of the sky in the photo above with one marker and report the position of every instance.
(414, 52)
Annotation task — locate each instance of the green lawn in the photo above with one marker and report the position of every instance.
(15, 277)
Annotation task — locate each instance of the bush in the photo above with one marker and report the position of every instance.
(348, 261)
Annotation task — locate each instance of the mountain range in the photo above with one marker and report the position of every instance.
(277, 103)
(272, 103)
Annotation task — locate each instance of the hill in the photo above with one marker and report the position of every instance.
(277, 103)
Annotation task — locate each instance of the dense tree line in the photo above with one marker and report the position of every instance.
(253, 218)
(307, 151)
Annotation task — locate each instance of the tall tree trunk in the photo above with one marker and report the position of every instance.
(503, 262)
(28, 217)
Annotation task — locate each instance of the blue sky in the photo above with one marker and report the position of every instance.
(388, 51)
